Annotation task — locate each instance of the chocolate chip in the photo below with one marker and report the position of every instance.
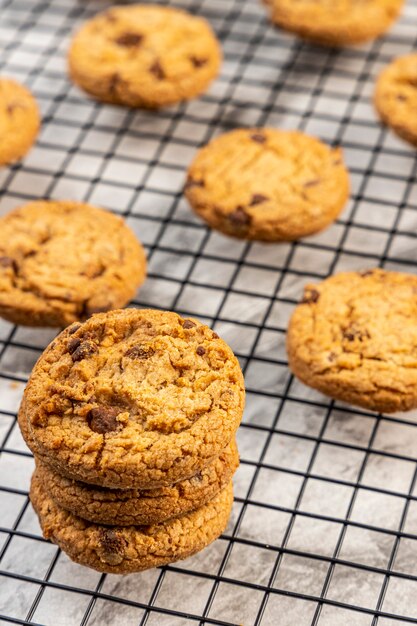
(312, 183)
(240, 218)
(11, 108)
(111, 541)
(188, 324)
(332, 357)
(258, 137)
(198, 61)
(6, 261)
(157, 70)
(401, 97)
(193, 183)
(366, 273)
(351, 333)
(140, 352)
(73, 328)
(258, 198)
(73, 344)
(310, 296)
(114, 81)
(215, 336)
(201, 351)
(103, 419)
(84, 350)
(129, 40)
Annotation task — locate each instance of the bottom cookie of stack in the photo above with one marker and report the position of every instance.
(126, 549)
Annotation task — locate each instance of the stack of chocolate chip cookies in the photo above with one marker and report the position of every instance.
(132, 418)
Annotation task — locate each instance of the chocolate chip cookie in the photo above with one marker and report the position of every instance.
(396, 97)
(139, 507)
(125, 549)
(133, 399)
(19, 120)
(62, 261)
(267, 184)
(144, 56)
(335, 22)
(354, 338)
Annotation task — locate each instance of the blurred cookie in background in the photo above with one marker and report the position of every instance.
(335, 22)
(19, 120)
(396, 97)
(144, 56)
(60, 262)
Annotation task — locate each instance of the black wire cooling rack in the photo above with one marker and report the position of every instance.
(324, 526)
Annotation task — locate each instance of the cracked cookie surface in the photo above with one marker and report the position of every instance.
(62, 261)
(133, 399)
(335, 22)
(137, 507)
(144, 56)
(267, 184)
(396, 97)
(19, 121)
(124, 549)
(354, 338)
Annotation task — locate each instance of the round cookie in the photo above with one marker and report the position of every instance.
(396, 97)
(133, 399)
(144, 56)
(125, 549)
(138, 507)
(62, 261)
(267, 184)
(335, 22)
(354, 338)
(19, 121)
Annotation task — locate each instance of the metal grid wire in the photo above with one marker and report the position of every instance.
(324, 526)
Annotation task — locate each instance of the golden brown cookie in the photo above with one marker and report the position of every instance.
(62, 261)
(396, 97)
(125, 549)
(19, 120)
(267, 184)
(144, 56)
(354, 338)
(133, 399)
(335, 22)
(138, 507)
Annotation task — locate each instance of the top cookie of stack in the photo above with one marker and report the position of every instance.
(133, 399)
